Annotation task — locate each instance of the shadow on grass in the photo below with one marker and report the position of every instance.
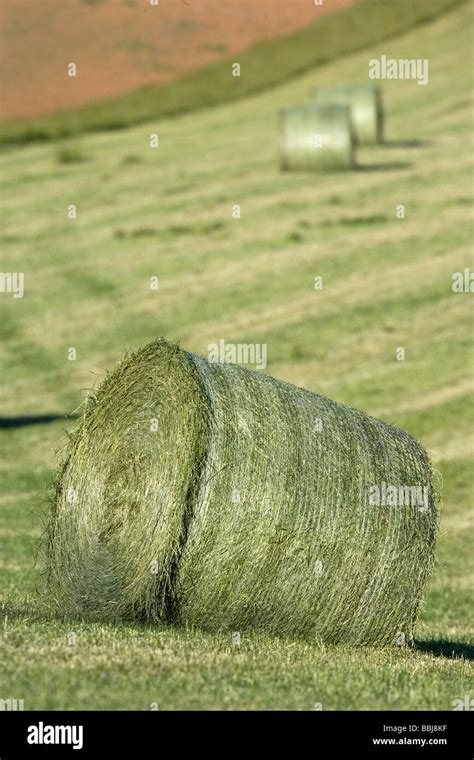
(443, 648)
(406, 144)
(35, 419)
(390, 166)
(35, 608)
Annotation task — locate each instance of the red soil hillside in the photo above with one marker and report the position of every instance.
(118, 45)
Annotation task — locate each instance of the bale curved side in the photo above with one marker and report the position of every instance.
(316, 138)
(249, 509)
(365, 102)
(284, 538)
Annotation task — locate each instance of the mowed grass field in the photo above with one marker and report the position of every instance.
(167, 212)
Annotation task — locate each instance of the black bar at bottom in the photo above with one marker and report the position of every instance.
(318, 734)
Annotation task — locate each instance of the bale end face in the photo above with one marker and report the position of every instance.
(121, 499)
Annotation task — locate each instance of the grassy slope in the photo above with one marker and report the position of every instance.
(265, 65)
(387, 284)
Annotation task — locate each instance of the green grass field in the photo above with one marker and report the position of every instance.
(167, 212)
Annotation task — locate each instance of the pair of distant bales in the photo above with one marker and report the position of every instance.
(322, 135)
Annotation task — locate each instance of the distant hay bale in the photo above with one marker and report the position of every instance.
(316, 138)
(210, 495)
(365, 102)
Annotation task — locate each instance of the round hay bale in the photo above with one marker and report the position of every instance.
(365, 102)
(316, 138)
(211, 495)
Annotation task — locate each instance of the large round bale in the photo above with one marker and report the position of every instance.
(316, 138)
(365, 103)
(207, 494)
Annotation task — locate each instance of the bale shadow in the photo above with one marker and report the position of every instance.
(387, 167)
(22, 612)
(442, 648)
(35, 609)
(35, 419)
(406, 144)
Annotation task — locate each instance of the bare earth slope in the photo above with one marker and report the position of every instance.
(118, 45)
